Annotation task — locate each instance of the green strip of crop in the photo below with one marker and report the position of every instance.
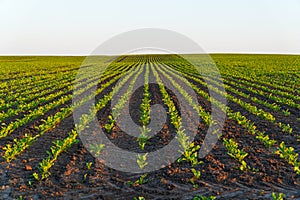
(62, 145)
(8, 129)
(252, 109)
(19, 98)
(145, 111)
(11, 151)
(235, 152)
(287, 95)
(246, 123)
(188, 149)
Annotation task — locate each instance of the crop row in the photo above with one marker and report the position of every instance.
(188, 149)
(19, 99)
(230, 144)
(145, 111)
(242, 120)
(28, 78)
(288, 97)
(251, 108)
(11, 151)
(269, 83)
(6, 129)
(275, 107)
(62, 145)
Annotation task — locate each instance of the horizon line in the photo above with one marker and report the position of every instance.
(158, 53)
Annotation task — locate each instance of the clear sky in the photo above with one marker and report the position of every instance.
(77, 27)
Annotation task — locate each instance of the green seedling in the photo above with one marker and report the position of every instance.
(36, 176)
(96, 149)
(139, 198)
(289, 155)
(89, 165)
(265, 139)
(286, 112)
(85, 177)
(142, 138)
(204, 198)
(279, 196)
(191, 155)
(236, 153)
(140, 181)
(110, 124)
(141, 160)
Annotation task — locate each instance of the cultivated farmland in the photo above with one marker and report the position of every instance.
(42, 155)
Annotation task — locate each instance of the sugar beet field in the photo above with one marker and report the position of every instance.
(42, 155)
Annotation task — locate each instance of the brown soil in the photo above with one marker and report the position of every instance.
(71, 179)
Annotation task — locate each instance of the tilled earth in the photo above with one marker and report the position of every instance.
(220, 175)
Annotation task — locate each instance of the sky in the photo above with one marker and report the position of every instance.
(77, 27)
